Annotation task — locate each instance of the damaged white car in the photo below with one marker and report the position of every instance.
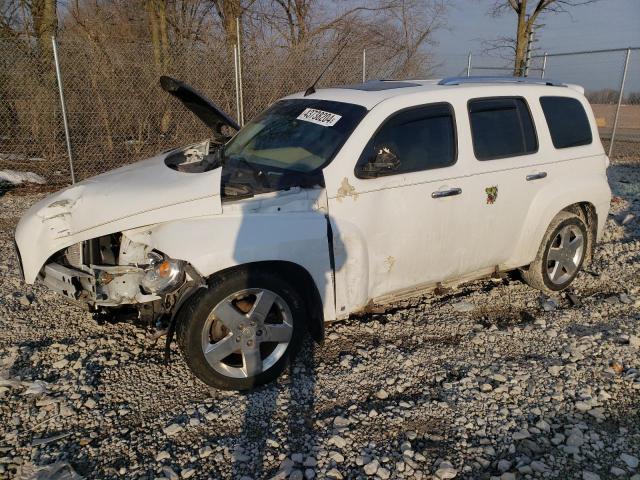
(325, 204)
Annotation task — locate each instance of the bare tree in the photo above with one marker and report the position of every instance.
(528, 12)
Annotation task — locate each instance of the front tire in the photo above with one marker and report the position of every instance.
(561, 254)
(243, 330)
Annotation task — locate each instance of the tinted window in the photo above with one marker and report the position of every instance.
(567, 120)
(501, 127)
(422, 138)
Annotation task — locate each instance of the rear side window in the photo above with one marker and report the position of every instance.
(421, 138)
(567, 120)
(501, 127)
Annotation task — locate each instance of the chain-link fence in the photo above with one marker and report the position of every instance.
(117, 112)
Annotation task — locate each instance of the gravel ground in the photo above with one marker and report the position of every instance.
(492, 380)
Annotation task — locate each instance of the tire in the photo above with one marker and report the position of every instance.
(557, 263)
(250, 324)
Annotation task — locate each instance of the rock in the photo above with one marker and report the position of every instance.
(630, 460)
(309, 473)
(539, 467)
(60, 364)
(204, 452)
(634, 341)
(297, 457)
(508, 476)
(163, 455)
(296, 475)
(382, 394)
(504, 465)
(555, 370)
(445, 471)
(576, 438)
(187, 472)
(340, 422)
(463, 307)
(170, 473)
(173, 429)
(485, 387)
(338, 441)
(383, 473)
(586, 475)
(335, 474)
(521, 435)
(371, 468)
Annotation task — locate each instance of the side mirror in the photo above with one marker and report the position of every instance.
(384, 162)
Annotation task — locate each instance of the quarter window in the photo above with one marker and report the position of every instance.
(421, 138)
(567, 120)
(501, 127)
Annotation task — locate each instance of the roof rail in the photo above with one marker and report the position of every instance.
(498, 79)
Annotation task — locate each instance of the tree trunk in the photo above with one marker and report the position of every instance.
(45, 24)
(521, 40)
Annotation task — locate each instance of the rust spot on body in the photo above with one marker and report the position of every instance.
(346, 190)
(390, 261)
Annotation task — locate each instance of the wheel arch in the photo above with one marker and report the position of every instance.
(300, 278)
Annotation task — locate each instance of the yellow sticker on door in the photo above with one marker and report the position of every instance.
(492, 194)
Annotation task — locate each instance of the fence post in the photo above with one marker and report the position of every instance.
(63, 108)
(241, 103)
(364, 65)
(544, 64)
(469, 65)
(615, 119)
(237, 81)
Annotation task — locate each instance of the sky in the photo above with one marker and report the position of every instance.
(604, 24)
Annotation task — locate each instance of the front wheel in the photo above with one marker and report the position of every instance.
(242, 331)
(561, 254)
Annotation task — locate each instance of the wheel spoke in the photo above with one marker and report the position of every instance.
(569, 267)
(575, 245)
(252, 361)
(262, 306)
(277, 332)
(556, 272)
(554, 254)
(216, 352)
(228, 315)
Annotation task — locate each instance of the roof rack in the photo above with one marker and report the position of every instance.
(498, 79)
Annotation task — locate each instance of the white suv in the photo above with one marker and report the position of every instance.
(327, 203)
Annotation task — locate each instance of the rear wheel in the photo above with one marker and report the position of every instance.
(242, 331)
(560, 255)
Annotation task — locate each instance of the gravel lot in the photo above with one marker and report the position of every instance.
(492, 380)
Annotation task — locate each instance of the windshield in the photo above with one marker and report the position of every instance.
(300, 135)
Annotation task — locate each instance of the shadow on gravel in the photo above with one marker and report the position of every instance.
(294, 395)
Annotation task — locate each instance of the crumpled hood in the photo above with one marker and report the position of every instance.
(143, 193)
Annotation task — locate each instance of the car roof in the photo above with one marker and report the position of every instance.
(372, 92)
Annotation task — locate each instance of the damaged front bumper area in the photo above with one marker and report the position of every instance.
(113, 271)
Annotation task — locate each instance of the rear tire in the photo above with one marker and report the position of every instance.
(561, 254)
(243, 330)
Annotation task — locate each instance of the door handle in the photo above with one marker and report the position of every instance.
(446, 193)
(536, 176)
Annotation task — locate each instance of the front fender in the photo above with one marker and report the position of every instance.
(215, 243)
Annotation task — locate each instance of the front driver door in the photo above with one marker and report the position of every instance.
(401, 229)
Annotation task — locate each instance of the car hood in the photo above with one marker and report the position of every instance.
(207, 111)
(143, 193)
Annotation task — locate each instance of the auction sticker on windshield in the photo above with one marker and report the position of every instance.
(319, 117)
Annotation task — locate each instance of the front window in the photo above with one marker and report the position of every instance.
(297, 135)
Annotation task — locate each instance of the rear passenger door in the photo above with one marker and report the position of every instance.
(508, 174)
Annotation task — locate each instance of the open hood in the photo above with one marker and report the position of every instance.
(207, 111)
